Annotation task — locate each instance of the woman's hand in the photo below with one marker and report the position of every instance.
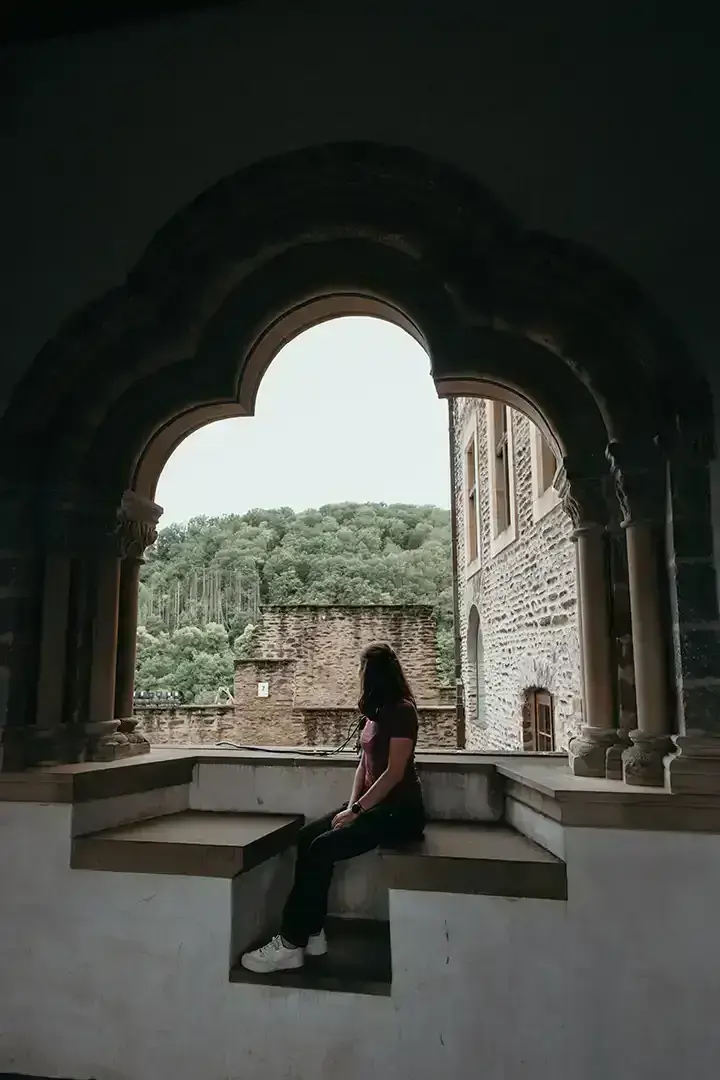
(344, 818)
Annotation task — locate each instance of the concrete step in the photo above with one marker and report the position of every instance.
(478, 860)
(197, 843)
(358, 961)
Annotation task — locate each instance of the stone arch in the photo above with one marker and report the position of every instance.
(180, 341)
(427, 230)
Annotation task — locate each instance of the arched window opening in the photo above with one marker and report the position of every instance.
(538, 721)
(255, 611)
(476, 663)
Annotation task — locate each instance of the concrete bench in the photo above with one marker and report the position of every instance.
(477, 860)
(193, 843)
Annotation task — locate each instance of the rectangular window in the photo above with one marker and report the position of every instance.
(502, 482)
(543, 466)
(502, 468)
(471, 501)
(538, 721)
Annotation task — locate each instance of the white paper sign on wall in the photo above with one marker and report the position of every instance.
(263, 689)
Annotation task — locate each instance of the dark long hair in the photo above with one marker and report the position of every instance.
(382, 680)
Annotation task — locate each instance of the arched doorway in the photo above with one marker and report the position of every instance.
(503, 312)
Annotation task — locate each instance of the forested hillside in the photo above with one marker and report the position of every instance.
(204, 581)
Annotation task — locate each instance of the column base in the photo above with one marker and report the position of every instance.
(695, 768)
(613, 757)
(105, 742)
(643, 761)
(139, 744)
(587, 752)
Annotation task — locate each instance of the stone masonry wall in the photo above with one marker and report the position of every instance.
(207, 725)
(325, 643)
(308, 657)
(525, 598)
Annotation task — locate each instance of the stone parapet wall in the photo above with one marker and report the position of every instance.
(206, 725)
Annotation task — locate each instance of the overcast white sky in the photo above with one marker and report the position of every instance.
(347, 412)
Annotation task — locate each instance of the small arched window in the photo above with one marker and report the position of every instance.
(476, 663)
(538, 721)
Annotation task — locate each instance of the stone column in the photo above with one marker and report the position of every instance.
(22, 743)
(95, 629)
(584, 500)
(137, 530)
(102, 727)
(640, 484)
(695, 768)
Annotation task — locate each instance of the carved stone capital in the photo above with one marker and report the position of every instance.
(583, 497)
(587, 752)
(639, 474)
(137, 521)
(643, 761)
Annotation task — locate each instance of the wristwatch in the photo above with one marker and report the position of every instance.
(356, 808)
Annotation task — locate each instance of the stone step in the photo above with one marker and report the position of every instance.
(358, 961)
(197, 843)
(478, 860)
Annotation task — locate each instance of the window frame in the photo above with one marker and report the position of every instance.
(543, 500)
(499, 540)
(471, 486)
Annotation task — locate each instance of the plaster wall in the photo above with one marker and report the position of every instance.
(314, 788)
(124, 977)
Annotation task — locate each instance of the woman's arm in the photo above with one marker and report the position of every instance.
(399, 754)
(358, 782)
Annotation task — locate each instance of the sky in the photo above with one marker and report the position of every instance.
(347, 412)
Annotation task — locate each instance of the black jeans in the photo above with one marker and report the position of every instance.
(319, 847)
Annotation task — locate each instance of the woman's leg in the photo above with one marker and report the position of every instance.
(306, 908)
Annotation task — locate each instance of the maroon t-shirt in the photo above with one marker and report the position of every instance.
(391, 722)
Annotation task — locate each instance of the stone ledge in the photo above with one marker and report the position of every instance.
(192, 843)
(476, 860)
(87, 781)
(587, 802)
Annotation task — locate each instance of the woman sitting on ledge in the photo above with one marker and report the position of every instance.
(385, 808)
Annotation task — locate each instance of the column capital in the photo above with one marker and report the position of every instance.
(639, 470)
(137, 521)
(583, 494)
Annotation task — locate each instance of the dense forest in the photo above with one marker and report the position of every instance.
(203, 582)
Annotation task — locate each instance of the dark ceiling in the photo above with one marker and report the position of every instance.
(31, 20)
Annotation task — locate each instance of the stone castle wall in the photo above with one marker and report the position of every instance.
(525, 599)
(325, 643)
(207, 725)
(307, 657)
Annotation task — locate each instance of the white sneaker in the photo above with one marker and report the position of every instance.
(275, 956)
(317, 945)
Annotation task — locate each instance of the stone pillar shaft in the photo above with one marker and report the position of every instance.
(101, 705)
(595, 630)
(584, 500)
(639, 479)
(651, 685)
(127, 637)
(137, 530)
